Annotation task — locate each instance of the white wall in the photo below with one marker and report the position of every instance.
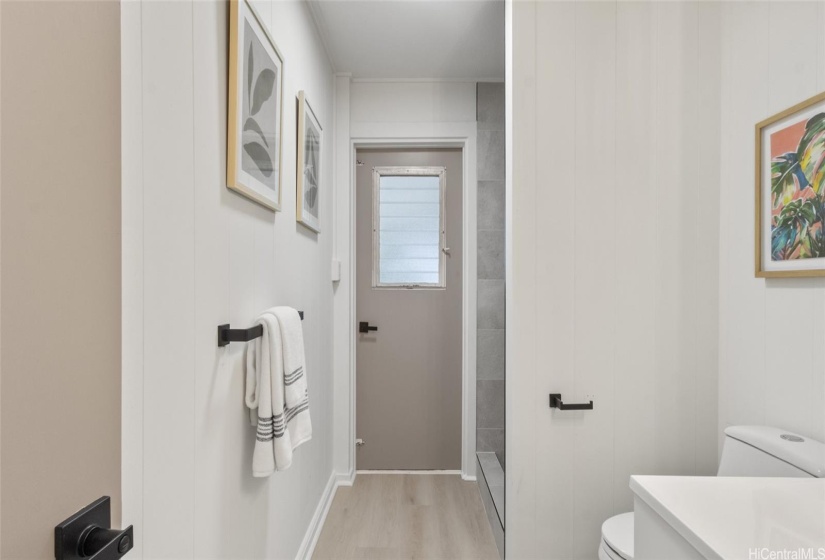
(197, 255)
(412, 102)
(613, 180)
(343, 451)
(772, 332)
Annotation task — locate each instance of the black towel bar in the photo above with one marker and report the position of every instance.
(227, 335)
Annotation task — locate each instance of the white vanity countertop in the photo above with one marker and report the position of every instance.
(727, 517)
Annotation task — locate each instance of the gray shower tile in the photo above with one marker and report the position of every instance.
(489, 439)
(491, 205)
(490, 404)
(490, 304)
(491, 254)
(490, 105)
(490, 354)
(490, 155)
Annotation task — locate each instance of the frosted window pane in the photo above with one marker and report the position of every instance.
(410, 196)
(409, 224)
(407, 251)
(409, 230)
(409, 278)
(415, 182)
(409, 209)
(409, 265)
(409, 238)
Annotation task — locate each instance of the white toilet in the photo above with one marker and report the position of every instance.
(747, 451)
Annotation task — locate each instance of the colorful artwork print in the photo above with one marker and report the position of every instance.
(797, 216)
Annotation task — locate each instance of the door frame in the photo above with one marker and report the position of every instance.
(461, 135)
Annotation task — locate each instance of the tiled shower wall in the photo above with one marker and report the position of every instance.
(490, 357)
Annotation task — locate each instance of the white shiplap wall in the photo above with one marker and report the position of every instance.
(613, 245)
(197, 255)
(772, 332)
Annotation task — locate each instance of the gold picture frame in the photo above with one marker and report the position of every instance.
(308, 166)
(255, 111)
(790, 192)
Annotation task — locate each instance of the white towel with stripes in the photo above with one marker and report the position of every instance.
(292, 337)
(279, 428)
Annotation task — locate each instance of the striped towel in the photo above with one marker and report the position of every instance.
(280, 428)
(292, 337)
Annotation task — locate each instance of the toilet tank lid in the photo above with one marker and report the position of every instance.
(804, 453)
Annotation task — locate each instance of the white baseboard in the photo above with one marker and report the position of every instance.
(469, 478)
(317, 523)
(345, 479)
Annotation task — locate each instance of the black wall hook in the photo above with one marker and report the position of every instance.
(227, 335)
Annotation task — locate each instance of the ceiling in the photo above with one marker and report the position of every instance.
(414, 39)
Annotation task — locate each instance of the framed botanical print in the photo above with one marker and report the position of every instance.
(790, 191)
(308, 185)
(256, 69)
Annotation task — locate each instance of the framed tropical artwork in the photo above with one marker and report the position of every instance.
(256, 69)
(790, 191)
(308, 185)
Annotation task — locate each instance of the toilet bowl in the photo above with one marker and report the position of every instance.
(617, 538)
(747, 451)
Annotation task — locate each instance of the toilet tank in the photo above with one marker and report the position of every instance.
(766, 451)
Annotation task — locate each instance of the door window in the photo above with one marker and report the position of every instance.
(408, 227)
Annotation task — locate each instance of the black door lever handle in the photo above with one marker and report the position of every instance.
(555, 402)
(364, 327)
(88, 535)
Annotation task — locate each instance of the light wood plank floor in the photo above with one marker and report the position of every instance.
(395, 516)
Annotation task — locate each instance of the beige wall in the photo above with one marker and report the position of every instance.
(613, 241)
(60, 275)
